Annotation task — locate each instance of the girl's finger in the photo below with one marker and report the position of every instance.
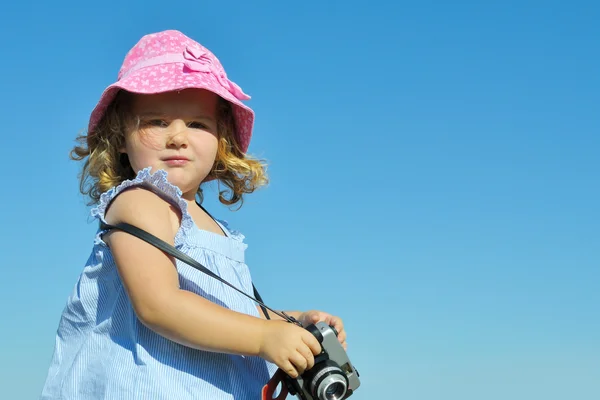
(342, 336)
(289, 369)
(312, 343)
(300, 362)
(338, 323)
(308, 356)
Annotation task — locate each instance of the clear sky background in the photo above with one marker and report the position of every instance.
(434, 179)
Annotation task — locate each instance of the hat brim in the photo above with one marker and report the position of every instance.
(172, 77)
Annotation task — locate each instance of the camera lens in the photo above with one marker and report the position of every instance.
(335, 391)
(326, 381)
(333, 387)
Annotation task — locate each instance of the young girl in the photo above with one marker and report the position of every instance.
(139, 325)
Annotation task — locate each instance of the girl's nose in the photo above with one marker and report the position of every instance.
(178, 134)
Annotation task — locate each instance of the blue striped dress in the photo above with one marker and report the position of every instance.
(103, 351)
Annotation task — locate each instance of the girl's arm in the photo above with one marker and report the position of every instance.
(275, 317)
(151, 281)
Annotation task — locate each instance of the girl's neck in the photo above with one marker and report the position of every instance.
(203, 219)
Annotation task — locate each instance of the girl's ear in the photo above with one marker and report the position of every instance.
(122, 148)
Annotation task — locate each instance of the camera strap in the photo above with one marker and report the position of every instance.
(181, 256)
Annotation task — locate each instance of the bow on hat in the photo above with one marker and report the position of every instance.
(199, 61)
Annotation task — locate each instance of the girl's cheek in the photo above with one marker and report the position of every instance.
(150, 139)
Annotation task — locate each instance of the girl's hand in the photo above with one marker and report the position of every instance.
(314, 316)
(288, 346)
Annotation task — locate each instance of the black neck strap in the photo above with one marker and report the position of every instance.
(256, 294)
(167, 248)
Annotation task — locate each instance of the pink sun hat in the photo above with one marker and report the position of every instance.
(168, 61)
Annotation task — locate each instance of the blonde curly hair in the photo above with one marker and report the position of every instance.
(105, 166)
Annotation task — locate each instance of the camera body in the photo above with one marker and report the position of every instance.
(333, 377)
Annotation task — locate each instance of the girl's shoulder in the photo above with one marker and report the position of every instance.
(155, 182)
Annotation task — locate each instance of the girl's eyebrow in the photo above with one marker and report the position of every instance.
(202, 116)
(153, 114)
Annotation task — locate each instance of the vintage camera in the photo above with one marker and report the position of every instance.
(333, 377)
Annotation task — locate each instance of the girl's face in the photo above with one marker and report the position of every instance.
(177, 132)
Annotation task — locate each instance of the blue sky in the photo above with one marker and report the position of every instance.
(433, 180)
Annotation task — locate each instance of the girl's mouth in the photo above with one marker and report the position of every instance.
(177, 161)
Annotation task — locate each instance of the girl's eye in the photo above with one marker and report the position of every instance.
(197, 125)
(158, 122)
